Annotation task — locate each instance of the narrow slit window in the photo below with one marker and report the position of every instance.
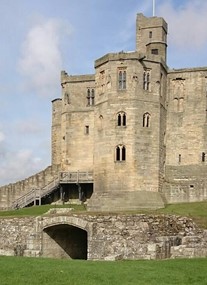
(86, 130)
(123, 153)
(119, 119)
(203, 157)
(118, 153)
(179, 158)
(124, 119)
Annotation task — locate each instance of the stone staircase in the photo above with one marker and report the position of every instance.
(63, 177)
(35, 195)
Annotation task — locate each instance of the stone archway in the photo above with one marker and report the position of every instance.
(64, 241)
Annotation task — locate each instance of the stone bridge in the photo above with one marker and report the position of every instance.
(102, 237)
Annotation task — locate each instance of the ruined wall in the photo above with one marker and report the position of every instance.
(103, 237)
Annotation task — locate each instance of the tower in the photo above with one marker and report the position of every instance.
(151, 36)
(129, 122)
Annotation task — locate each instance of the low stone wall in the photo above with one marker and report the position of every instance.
(109, 237)
(15, 234)
(9, 193)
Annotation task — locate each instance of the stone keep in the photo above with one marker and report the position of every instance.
(113, 122)
(139, 126)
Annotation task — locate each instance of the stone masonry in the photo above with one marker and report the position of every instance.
(102, 237)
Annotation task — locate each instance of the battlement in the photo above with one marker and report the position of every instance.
(65, 78)
(122, 55)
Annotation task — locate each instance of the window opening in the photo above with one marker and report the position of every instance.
(124, 119)
(179, 158)
(121, 119)
(86, 130)
(146, 80)
(120, 153)
(203, 156)
(154, 51)
(150, 34)
(123, 153)
(146, 120)
(90, 97)
(122, 79)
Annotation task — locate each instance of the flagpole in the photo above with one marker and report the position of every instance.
(153, 8)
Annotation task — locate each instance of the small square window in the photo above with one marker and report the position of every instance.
(154, 51)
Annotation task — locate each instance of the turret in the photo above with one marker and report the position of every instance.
(151, 37)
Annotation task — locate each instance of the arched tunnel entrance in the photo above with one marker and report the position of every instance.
(65, 241)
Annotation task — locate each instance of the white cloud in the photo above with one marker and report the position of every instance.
(41, 60)
(15, 166)
(2, 136)
(186, 23)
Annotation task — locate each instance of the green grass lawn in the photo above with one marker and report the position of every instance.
(39, 210)
(39, 271)
(197, 211)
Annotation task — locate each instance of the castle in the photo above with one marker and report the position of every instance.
(133, 135)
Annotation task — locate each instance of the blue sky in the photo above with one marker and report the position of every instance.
(40, 38)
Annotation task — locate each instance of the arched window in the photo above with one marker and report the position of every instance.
(90, 97)
(146, 80)
(121, 119)
(146, 120)
(122, 79)
(120, 153)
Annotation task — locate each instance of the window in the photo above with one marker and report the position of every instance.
(121, 119)
(178, 104)
(120, 153)
(86, 130)
(179, 158)
(122, 79)
(90, 97)
(146, 120)
(150, 34)
(146, 80)
(154, 51)
(203, 158)
(67, 99)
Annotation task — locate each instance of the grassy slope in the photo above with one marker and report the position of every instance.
(33, 271)
(197, 211)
